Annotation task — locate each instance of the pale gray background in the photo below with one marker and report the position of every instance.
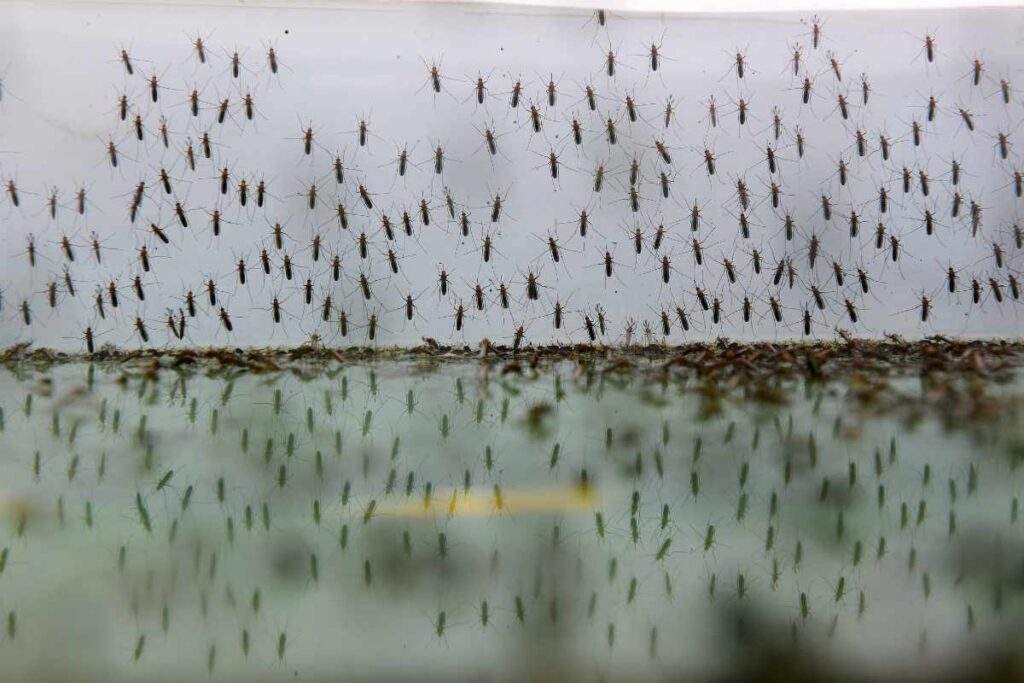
(61, 79)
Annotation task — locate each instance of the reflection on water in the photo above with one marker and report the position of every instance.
(400, 518)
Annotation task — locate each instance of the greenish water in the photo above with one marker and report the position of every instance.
(616, 525)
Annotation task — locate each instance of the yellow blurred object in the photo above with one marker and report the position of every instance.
(18, 509)
(477, 502)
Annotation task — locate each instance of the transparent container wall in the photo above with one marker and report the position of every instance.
(400, 522)
(434, 517)
(670, 252)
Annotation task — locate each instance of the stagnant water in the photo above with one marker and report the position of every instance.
(421, 518)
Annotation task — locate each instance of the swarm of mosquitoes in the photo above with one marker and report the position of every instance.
(291, 513)
(754, 262)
